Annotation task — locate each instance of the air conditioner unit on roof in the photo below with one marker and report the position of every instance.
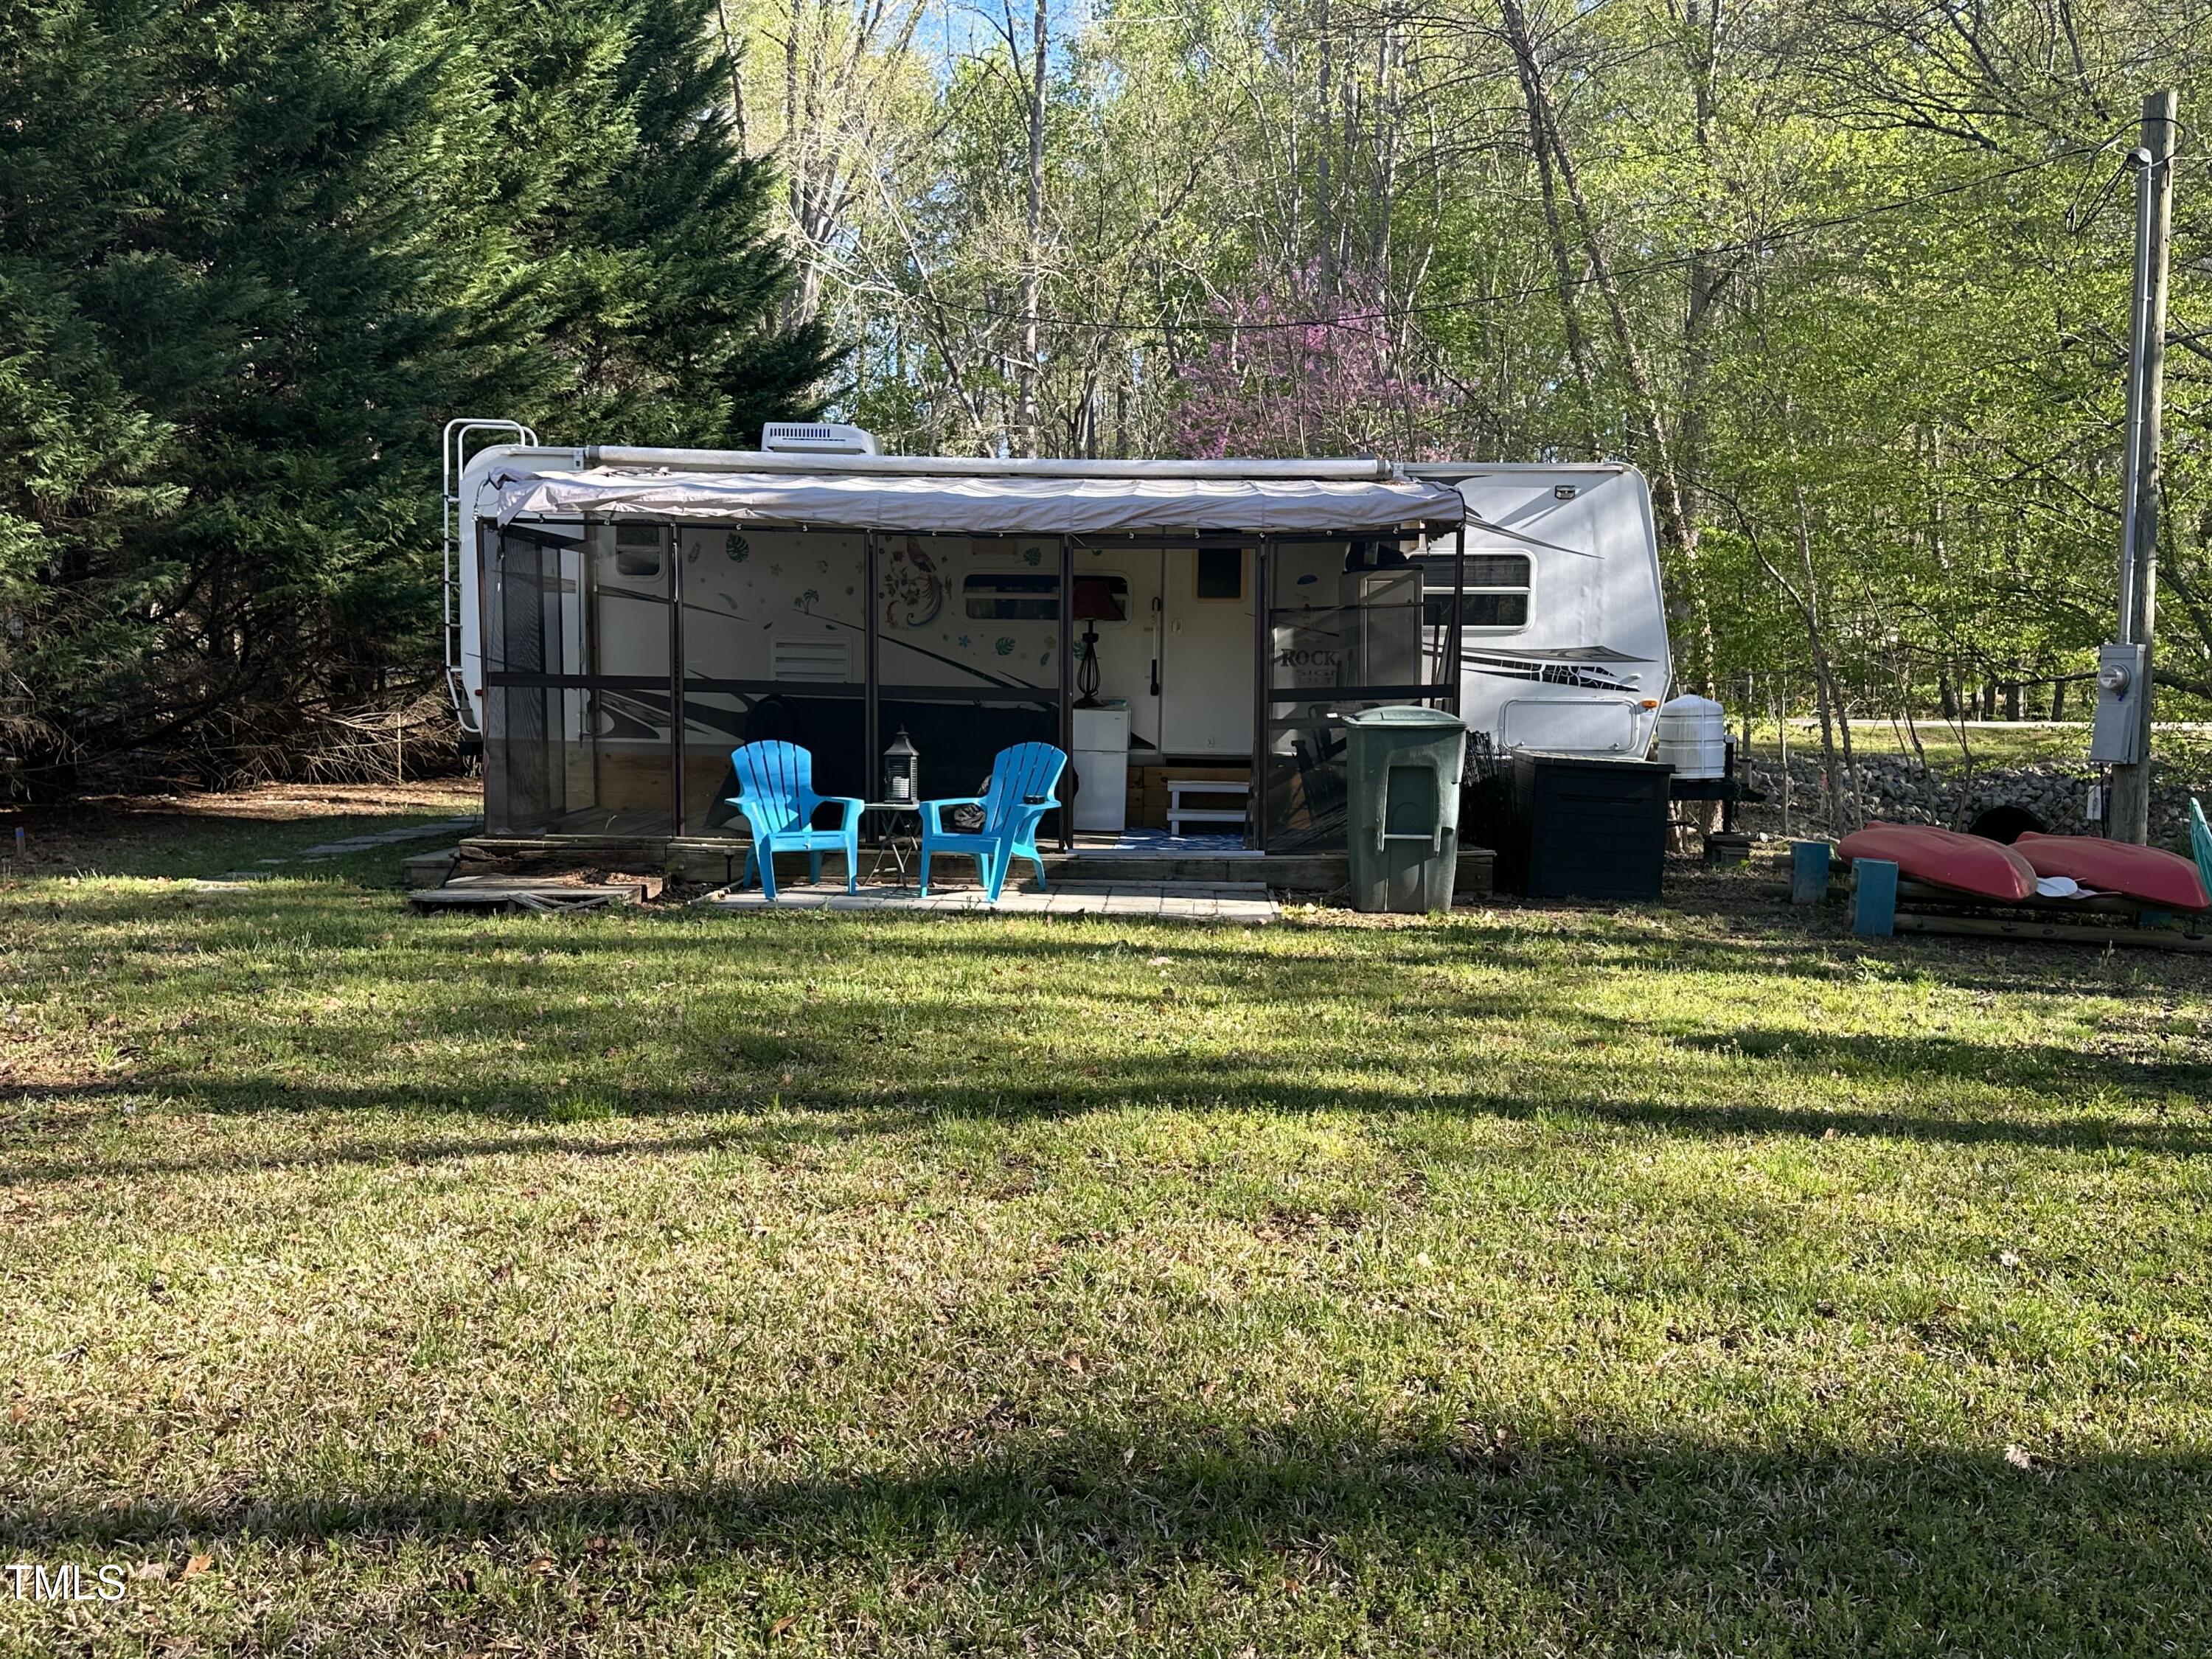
(817, 438)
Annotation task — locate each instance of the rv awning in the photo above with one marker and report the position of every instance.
(999, 505)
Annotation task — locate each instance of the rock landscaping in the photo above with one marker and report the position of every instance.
(1903, 789)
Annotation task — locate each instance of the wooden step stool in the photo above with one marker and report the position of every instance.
(1179, 815)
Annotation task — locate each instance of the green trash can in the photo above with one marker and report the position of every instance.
(1404, 769)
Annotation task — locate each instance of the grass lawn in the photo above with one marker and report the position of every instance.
(1998, 743)
(1696, 1280)
(1992, 743)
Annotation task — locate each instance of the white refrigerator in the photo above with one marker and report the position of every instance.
(1102, 767)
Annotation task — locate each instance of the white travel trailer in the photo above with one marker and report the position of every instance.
(1563, 641)
(623, 617)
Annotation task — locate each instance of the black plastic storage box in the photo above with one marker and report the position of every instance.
(1577, 828)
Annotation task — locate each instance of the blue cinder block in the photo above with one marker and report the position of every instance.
(1809, 872)
(1874, 897)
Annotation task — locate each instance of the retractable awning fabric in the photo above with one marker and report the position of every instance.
(941, 504)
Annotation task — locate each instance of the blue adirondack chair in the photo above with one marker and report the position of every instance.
(1015, 799)
(776, 791)
(2200, 842)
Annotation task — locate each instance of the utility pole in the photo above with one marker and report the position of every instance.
(2124, 680)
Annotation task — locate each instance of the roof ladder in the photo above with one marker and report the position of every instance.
(454, 455)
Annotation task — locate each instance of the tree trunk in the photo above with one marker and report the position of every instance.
(1324, 206)
(1033, 228)
(1675, 525)
(1706, 278)
(1901, 674)
(1825, 701)
(1844, 803)
(794, 161)
(1562, 269)
(733, 53)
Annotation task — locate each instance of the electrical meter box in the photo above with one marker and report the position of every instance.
(2116, 737)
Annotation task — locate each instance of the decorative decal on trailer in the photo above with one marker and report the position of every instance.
(1578, 669)
(916, 591)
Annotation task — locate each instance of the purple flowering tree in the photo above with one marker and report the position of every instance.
(1295, 368)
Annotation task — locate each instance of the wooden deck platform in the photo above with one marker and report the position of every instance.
(1230, 904)
(1095, 862)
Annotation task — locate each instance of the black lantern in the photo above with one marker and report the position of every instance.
(901, 771)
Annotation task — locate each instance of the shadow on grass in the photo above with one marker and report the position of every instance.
(537, 1132)
(833, 1112)
(889, 1023)
(1658, 1545)
(1861, 1053)
(1779, 941)
(1559, 948)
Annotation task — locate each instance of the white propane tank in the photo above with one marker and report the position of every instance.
(1693, 738)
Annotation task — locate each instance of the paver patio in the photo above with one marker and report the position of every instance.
(1243, 904)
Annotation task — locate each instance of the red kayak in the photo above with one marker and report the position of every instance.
(1944, 858)
(2148, 874)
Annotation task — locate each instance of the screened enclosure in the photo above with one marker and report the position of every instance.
(580, 647)
(627, 650)
(603, 642)
(1350, 625)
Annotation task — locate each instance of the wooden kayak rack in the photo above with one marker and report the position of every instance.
(1883, 903)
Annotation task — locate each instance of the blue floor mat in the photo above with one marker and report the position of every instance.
(1159, 842)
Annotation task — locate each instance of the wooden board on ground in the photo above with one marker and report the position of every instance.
(2055, 933)
(570, 890)
(1922, 895)
(2103, 922)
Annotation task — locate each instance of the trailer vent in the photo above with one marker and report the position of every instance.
(814, 659)
(817, 438)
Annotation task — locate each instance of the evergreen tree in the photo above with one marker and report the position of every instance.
(254, 256)
(645, 231)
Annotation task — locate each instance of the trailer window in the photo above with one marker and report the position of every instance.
(637, 550)
(1010, 596)
(1496, 594)
(1219, 574)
